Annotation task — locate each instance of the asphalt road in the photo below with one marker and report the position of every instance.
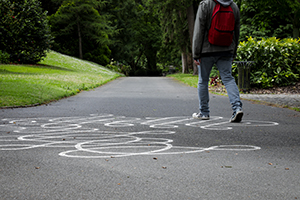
(134, 138)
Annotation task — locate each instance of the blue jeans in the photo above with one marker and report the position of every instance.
(224, 67)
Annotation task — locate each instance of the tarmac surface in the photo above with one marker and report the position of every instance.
(134, 138)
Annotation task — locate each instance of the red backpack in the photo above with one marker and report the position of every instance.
(222, 26)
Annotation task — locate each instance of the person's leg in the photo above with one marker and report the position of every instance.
(224, 65)
(204, 72)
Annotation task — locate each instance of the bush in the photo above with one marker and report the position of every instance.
(24, 31)
(98, 54)
(4, 57)
(277, 62)
(119, 67)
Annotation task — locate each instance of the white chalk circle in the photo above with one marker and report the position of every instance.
(82, 137)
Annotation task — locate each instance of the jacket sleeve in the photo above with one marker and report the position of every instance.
(199, 30)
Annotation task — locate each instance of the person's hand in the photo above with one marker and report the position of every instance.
(197, 62)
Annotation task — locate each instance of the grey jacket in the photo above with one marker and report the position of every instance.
(201, 44)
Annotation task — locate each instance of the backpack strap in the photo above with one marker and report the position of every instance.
(216, 8)
(212, 13)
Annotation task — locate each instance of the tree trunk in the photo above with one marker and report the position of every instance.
(79, 39)
(296, 32)
(192, 64)
(191, 24)
(296, 25)
(184, 62)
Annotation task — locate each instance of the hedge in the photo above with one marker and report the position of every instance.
(277, 62)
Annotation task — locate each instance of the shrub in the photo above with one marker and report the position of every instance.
(24, 31)
(98, 54)
(277, 62)
(4, 57)
(119, 67)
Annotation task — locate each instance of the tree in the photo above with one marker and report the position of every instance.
(24, 31)
(139, 35)
(149, 34)
(291, 9)
(177, 21)
(270, 18)
(51, 6)
(79, 21)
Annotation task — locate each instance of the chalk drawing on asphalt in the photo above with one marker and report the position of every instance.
(85, 137)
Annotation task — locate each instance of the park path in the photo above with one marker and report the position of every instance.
(134, 138)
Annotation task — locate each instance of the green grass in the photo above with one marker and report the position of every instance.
(57, 76)
(191, 80)
(188, 79)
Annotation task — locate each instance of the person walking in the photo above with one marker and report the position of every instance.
(215, 43)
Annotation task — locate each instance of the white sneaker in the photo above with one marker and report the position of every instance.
(200, 116)
(237, 116)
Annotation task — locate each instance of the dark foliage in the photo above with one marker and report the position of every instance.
(24, 31)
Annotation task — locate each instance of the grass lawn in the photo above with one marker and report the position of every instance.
(57, 76)
(189, 79)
